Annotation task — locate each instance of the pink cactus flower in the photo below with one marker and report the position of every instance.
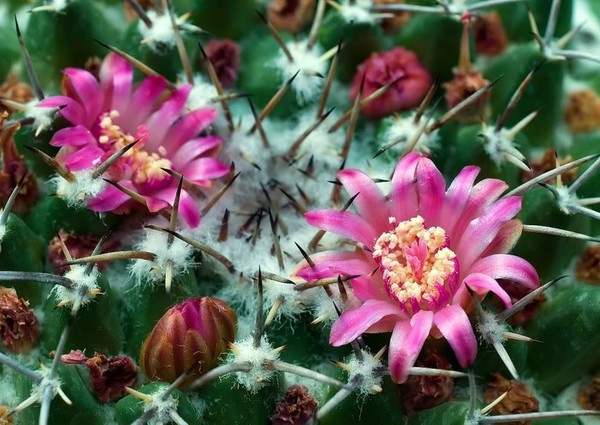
(423, 246)
(109, 113)
(382, 68)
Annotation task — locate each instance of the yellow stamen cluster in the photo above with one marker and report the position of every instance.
(147, 166)
(417, 279)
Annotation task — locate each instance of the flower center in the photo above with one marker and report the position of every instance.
(419, 271)
(145, 166)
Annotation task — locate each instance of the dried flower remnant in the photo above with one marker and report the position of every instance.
(582, 112)
(4, 418)
(14, 168)
(193, 332)
(423, 246)
(588, 396)
(297, 407)
(290, 15)
(109, 375)
(393, 24)
(78, 246)
(588, 266)
(224, 55)
(516, 292)
(425, 392)
(519, 399)
(19, 328)
(548, 161)
(490, 38)
(130, 13)
(383, 68)
(13, 89)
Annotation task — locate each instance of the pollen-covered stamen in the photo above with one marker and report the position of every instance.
(419, 270)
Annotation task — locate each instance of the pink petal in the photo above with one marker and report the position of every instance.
(482, 230)
(83, 86)
(160, 121)
(83, 159)
(202, 169)
(457, 196)
(73, 136)
(369, 287)
(143, 101)
(193, 149)
(431, 188)
(404, 192)
(506, 239)
(370, 202)
(343, 223)
(352, 323)
(509, 267)
(333, 263)
(483, 195)
(188, 210)
(454, 325)
(116, 75)
(189, 126)
(71, 111)
(110, 198)
(482, 284)
(406, 343)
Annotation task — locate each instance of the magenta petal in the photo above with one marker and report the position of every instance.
(334, 263)
(143, 101)
(73, 136)
(352, 323)
(406, 343)
(71, 111)
(482, 284)
(482, 230)
(202, 169)
(506, 239)
(431, 188)
(457, 196)
(82, 86)
(193, 149)
(510, 267)
(343, 223)
(188, 126)
(454, 325)
(83, 159)
(370, 202)
(188, 210)
(160, 121)
(116, 75)
(110, 198)
(404, 192)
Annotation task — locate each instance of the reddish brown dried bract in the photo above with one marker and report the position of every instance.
(588, 266)
(19, 328)
(290, 15)
(78, 246)
(225, 58)
(518, 400)
(582, 112)
(547, 162)
(588, 396)
(13, 89)
(297, 408)
(490, 38)
(464, 84)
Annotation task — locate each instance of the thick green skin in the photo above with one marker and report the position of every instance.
(85, 409)
(451, 413)
(567, 326)
(227, 18)
(130, 408)
(543, 94)
(588, 144)
(22, 250)
(97, 326)
(9, 51)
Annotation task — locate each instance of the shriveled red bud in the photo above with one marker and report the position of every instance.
(464, 84)
(193, 332)
(109, 375)
(297, 407)
(383, 68)
(224, 56)
(19, 328)
(490, 38)
(290, 15)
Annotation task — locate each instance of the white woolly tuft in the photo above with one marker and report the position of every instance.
(369, 371)
(8, 389)
(294, 302)
(586, 40)
(307, 85)
(257, 376)
(201, 95)
(567, 400)
(2, 233)
(491, 331)
(359, 12)
(42, 116)
(499, 144)
(566, 200)
(405, 128)
(38, 390)
(83, 283)
(57, 6)
(177, 252)
(324, 306)
(162, 405)
(80, 191)
(161, 35)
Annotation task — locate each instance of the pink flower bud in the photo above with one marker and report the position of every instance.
(384, 67)
(193, 332)
(19, 328)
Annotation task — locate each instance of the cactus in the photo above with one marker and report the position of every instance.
(299, 212)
